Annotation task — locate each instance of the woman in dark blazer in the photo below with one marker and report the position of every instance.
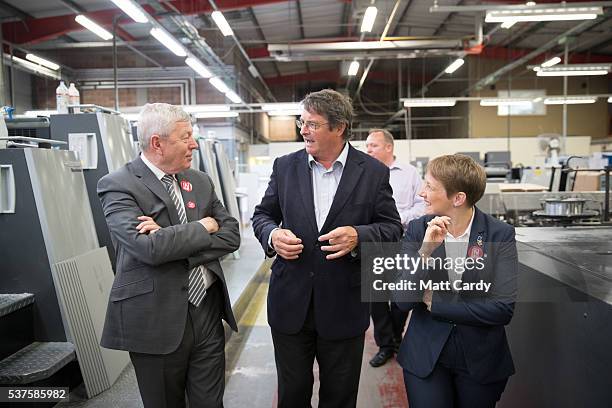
(455, 352)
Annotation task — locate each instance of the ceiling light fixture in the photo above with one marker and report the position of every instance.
(36, 68)
(93, 27)
(609, 99)
(233, 96)
(368, 19)
(454, 66)
(508, 24)
(168, 41)
(575, 70)
(505, 102)
(542, 13)
(219, 84)
(205, 115)
(198, 67)
(222, 23)
(428, 102)
(282, 106)
(132, 10)
(205, 108)
(288, 112)
(353, 68)
(42, 61)
(551, 62)
(570, 100)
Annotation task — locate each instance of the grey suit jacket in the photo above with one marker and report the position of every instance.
(148, 305)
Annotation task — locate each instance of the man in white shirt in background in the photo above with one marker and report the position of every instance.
(389, 320)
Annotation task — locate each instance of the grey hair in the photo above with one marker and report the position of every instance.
(337, 108)
(158, 119)
(386, 134)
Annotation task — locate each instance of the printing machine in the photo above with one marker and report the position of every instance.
(50, 251)
(562, 325)
(103, 142)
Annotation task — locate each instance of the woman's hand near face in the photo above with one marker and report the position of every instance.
(435, 234)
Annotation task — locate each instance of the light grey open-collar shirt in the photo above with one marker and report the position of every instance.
(209, 277)
(325, 184)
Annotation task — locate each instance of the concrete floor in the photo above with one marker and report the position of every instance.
(250, 367)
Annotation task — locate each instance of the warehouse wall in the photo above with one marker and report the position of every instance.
(583, 120)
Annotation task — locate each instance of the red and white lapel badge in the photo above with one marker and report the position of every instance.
(190, 204)
(476, 251)
(186, 186)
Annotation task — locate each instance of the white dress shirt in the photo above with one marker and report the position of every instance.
(209, 277)
(325, 184)
(456, 248)
(406, 184)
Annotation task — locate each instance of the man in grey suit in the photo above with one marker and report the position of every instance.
(169, 294)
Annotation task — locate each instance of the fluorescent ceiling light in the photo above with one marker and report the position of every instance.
(508, 24)
(454, 66)
(282, 106)
(198, 67)
(204, 115)
(42, 61)
(221, 22)
(36, 68)
(505, 102)
(575, 70)
(219, 84)
(368, 19)
(93, 27)
(353, 68)
(132, 10)
(205, 108)
(233, 96)
(537, 68)
(288, 112)
(570, 100)
(551, 62)
(609, 99)
(535, 13)
(168, 41)
(427, 103)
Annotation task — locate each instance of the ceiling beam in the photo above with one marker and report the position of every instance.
(263, 37)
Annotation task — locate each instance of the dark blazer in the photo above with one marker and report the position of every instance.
(363, 200)
(479, 320)
(148, 302)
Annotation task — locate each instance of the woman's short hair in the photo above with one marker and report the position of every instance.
(459, 173)
(158, 119)
(337, 108)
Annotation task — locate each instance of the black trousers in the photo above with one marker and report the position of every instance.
(389, 322)
(450, 384)
(339, 367)
(196, 367)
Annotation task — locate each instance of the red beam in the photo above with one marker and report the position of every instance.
(35, 30)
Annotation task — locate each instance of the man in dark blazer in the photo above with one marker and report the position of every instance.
(169, 294)
(321, 203)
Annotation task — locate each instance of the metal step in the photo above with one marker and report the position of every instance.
(10, 302)
(36, 362)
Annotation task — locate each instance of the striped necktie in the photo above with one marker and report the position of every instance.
(197, 289)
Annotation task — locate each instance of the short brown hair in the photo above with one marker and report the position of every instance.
(459, 173)
(386, 135)
(337, 108)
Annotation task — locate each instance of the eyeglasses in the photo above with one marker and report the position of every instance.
(312, 126)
